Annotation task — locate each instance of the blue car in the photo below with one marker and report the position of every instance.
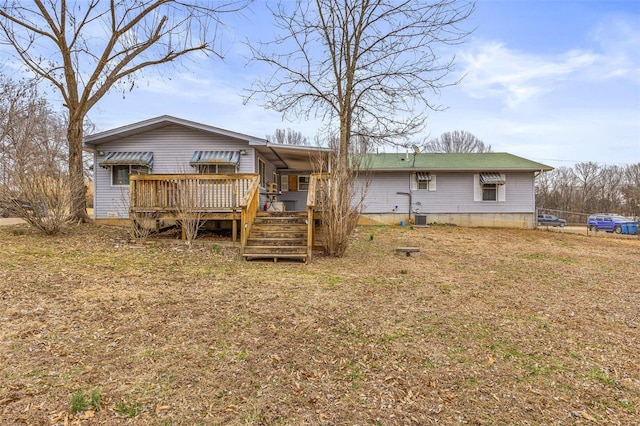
(612, 223)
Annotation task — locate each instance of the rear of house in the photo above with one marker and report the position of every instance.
(168, 145)
(492, 189)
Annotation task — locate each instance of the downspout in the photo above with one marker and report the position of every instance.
(416, 151)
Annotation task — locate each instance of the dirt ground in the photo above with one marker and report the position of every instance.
(484, 327)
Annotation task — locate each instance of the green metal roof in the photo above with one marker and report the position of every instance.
(494, 161)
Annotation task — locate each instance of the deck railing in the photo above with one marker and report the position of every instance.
(189, 192)
(205, 196)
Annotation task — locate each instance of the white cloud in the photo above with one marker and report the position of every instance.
(619, 40)
(493, 70)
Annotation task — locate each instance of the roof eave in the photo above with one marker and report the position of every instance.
(162, 121)
(459, 169)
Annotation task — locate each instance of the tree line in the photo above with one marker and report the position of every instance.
(590, 187)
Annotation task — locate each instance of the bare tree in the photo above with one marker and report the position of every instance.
(589, 188)
(288, 137)
(631, 189)
(86, 48)
(609, 185)
(368, 68)
(587, 175)
(457, 141)
(33, 179)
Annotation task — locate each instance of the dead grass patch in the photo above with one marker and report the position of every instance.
(484, 327)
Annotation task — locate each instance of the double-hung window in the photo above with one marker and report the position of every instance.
(489, 186)
(262, 171)
(303, 183)
(120, 173)
(121, 165)
(215, 162)
(489, 192)
(423, 181)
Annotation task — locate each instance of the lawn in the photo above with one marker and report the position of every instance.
(485, 327)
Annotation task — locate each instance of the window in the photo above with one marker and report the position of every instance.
(217, 169)
(303, 183)
(120, 173)
(489, 187)
(262, 171)
(284, 183)
(423, 181)
(490, 192)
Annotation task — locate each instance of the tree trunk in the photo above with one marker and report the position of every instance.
(78, 196)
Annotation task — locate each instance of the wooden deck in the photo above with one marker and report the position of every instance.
(194, 196)
(234, 197)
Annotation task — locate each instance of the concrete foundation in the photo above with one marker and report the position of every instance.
(490, 220)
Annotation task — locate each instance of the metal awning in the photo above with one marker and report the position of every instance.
(127, 159)
(423, 177)
(215, 157)
(491, 179)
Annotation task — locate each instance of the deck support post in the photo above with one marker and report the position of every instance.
(234, 230)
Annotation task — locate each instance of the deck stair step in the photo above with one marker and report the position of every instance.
(278, 235)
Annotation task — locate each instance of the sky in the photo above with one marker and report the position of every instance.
(556, 82)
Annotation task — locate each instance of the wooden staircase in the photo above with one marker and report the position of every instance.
(278, 235)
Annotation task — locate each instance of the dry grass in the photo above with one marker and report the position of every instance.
(486, 327)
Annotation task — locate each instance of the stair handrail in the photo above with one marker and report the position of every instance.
(314, 179)
(248, 210)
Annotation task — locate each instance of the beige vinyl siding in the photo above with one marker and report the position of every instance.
(172, 147)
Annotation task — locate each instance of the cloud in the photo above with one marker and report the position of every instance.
(619, 40)
(495, 71)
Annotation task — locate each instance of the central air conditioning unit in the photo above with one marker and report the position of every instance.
(420, 220)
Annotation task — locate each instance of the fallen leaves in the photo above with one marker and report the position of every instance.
(477, 330)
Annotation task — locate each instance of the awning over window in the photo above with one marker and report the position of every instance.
(423, 177)
(127, 159)
(491, 179)
(215, 157)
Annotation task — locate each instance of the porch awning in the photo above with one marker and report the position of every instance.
(423, 177)
(127, 159)
(215, 157)
(491, 179)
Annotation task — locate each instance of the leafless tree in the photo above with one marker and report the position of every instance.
(589, 188)
(457, 141)
(587, 175)
(288, 137)
(631, 189)
(369, 68)
(609, 185)
(33, 180)
(84, 49)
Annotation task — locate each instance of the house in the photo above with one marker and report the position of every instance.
(471, 189)
(166, 169)
(168, 146)
(169, 171)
